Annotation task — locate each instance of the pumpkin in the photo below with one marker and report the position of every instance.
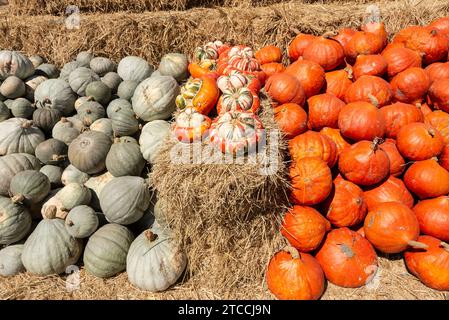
(124, 122)
(364, 163)
(328, 53)
(191, 126)
(304, 228)
(53, 174)
(433, 217)
(272, 68)
(410, 85)
(268, 54)
(12, 164)
(50, 249)
(439, 120)
(48, 70)
(99, 92)
(126, 89)
(338, 82)
(425, 109)
(344, 35)
(72, 175)
(236, 133)
(298, 45)
(155, 261)
(372, 23)
(89, 150)
(4, 112)
(336, 137)
(80, 78)
(175, 65)
(134, 68)
(11, 260)
(70, 196)
(106, 251)
(13, 63)
(199, 93)
(310, 75)
(18, 135)
(51, 151)
(81, 100)
(12, 87)
(345, 206)
(154, 98)
(211, 50)
(237, 80)
(67, 129)
(370, 89)
(112, 80)
(397, 162)
(400, 59)
(437, 70)
(101, 65)
(22, 108)
(443, 158)
(324, 110)
(431, 265)
(391, 190)
(285, 88)
(29, 187)
(372, 65)
(15, 222)
(84, 58)
(238, 99)
(206, 67)
(103, 125)
(398, 115)
(152, 138)
(419, 141)
(348, 259)
(117, 105)
(391, 227)
(81, 222)
(438, 95)
(365, 43)
(242, 58)
(291, 119)
(68, 68)
(55, 94)
(427, 179)
(295, 276)
(36, 60)
(124, 158)
(441, 24)
(313, 144)
(311, 181)
(361, 121)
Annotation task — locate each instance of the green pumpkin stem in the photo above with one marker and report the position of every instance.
(417, 244)
(150, 235)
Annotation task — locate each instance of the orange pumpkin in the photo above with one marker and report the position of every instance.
(268, 54)
(313, 144)
(399, 59)
(441, 24)
(425, 109)
(404, 35)
(203, 68)
(363, 43)
(295, 276)
(338, 82)
(336, 137)
(440, 121)
(372, 65)
(191, 126)
(433, 217)
(397, 162)
(298, 45)
(391, 190)
(291, 119)
(438, 95)
(370, 89)
(377, 28)
(438, 70)
(427, 179)
(398, 115)
(324, 110)
(272, 68)
(328, 53)
(304, 228)
(348, 259)
(443, 158)
(311, 181)
(411, 85)
(344, 35)
(199, 93)
(310, 74)
(285, 88)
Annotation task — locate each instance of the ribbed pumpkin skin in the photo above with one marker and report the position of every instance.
(72, 175)
(68, 68)
(112, 80)
(51, 151)
(48, 70)
(11, 260)
(106, 251)
(46, 118)
(18, 135)
(155, 261)
(67, 129)
(89, 150)
(99, 91)
(80, 78)
(13, 63)
(53, 174)
(95, 185)
(134, 68)
(152, 138)
(50, 249)
(70, 196)
(155, 97)
(34, 81)
(117, 105)
(12, 88)
(30, 186)
(101, 65)
(124, 158)
(22, 108)
(103, 125)
(4, 112)
(124, 122)
(15, 221)
(175, 65)
(84, 58)
(81, 222)
(126, 89)
(125, 199)
(90, 111)
(36, 60)
(11, 164)
(55, 94)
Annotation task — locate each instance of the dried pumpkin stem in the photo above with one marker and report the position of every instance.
(27, 124)
(444, 245)
(293, 251)
(70, 223)
(18, 198)
(417, 244)
(150, 235)
(51, 212)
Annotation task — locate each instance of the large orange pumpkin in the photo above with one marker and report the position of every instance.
(324, 110)
(304, 228)
(295, 276)
(311, 181)
(338, 82)
(370, 89)
(397, 162)
(398, 115)
(310, 74)
(328, 53)
(285, 88)
(344, 35)
(440, 121)
(291, 119)
(391, 190)
(441, 24)
(298, 45)
(438, 70)
(433, 217)
(376, 27)
(411, 85)
(438, 95)
(372, 65)
(272, 68)
(443, 158)
(268, 54)
(399, 59)
(313, 144)
(363, 43)
(348, 259)
(336, 137)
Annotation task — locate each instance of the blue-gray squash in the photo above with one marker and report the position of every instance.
(90, 111)
(13, 63)
(80, 78)
(124, 158)
(72, 175)
(46, 118)
(22, 108)
(53, 173)
(48, 70)
(68, 68)
(81, 222)
(103, 125)
(55, 94)
(51, 151)
(29, 187)
(152, 138)
(15, 221)
(19, 135)
(112, 80)
(84, 58)
(36, 60)
(101, 65)
(124, 122)
(11, 260)
(12, 88)
(134, 68)
(126, 89)
(95, 185)
(117, 105)
(99, 92)
(12, 164)
(175, 65)
(5, 113)
(68, 129)
(72, 195)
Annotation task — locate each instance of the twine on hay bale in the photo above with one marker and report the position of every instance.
(226, 216)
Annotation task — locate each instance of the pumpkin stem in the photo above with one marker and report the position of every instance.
(150, 235)
(444, 245)
(293, 251)
(373, 100)
(27, 124)
(329, 34)
(376, 142)
(417, 244)
(58, 157)
(431, 132)
(116, 139)
(433, 32)
(18, 198)
(70, 223)
(51, 212)
(64, 119)
(350, 72)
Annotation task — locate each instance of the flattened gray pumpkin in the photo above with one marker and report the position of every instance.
(55, 94)
(155, 260)
(22, 108)
(106, 251)
(134, 68)
(112, 80)
(126, 89)
(68, 68)
(175, 65)
(51, 151)
(12, 164)
(152, 138)
(99, 92)
(11, 260)
(72, 175)
(46, 118)
(124, 158)
(89, 150)
(4, 112)
(117, 105)
(19, 135)
(103, 125)
(90, 111)
(124, 122)
(50, 249)
(15, 221)
(72, 195)
(84, 58)
(36, 60)
(81, 221)
(68, 129)
(95, 185)
(29, 187)
(48, 70)
(123, 200)
(101, 65)
(81, 100)
(12, 88)
(80, 78)
(53, 174)
(13, 63)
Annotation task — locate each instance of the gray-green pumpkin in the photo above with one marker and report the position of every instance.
(68, 68)
(19, 135)
(48, 70)
(106, 251)
(4, 112)
(72, 195)
(101, 65)
(124, 199)
(124, 158)
(11, 260)
(154, 98)
(36, 60)
(95, 185)
(112, 80)
(126, 89)
(55, 94)
(81, 100)
(68, 129)
(12, 88)
(155, 260)
(152, 138)
(29, 187)
(99, 92)
(124, 122)
(72, 175)
(103, 125)
(175, 65)
(22, 108)
(13, 63)
(89, 150)
(84, 58)
(34, 81)
(53, 173)
(15, 221)
(51, 151)
(117, 105)
(134, 68)
(50, 249)
(81, 221)
(80, 78)
(12, 164)
(46, 118)
(90, 111)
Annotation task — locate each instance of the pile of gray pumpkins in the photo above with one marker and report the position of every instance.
(76, 146)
